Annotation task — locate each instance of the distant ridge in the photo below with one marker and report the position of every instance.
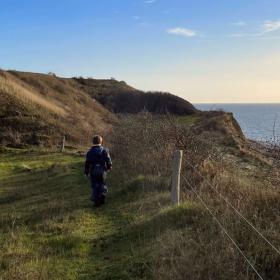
(122, 98)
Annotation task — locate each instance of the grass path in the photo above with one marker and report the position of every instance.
(49, 229)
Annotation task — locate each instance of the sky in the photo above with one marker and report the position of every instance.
(206, 51)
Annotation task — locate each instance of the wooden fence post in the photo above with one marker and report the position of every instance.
(63, 144)
(176, 172)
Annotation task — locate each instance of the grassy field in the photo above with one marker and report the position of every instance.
(49, 229)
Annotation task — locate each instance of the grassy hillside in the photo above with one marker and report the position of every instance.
(39, 109)
(121, 98)
(49, 229)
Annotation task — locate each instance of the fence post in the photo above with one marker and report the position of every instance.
(63, 144)
(176, 172)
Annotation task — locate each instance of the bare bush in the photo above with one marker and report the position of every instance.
(145, 143)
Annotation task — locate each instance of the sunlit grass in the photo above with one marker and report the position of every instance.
(49, 229)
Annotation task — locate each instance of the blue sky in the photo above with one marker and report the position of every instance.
(203, 50)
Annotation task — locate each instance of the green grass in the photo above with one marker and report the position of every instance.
(49, 229)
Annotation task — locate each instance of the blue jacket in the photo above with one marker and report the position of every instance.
(97, 155)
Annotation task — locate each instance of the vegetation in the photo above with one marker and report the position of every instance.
(118, 97)
(49, 229)
(38, 109)
(218, 171)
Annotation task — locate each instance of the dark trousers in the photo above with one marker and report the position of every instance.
(99, 188)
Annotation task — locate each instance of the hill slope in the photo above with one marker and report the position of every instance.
(40, 108)
(36, 108)
(121, 98)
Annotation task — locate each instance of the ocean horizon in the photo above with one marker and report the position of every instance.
(259, 121)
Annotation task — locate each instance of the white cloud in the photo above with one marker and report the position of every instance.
(265, 28)
(182, 32)
(150, 1)
(270, 26)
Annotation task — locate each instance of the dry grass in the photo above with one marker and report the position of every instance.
(39, 109)
(25, 95)
(200, 250)
(49, 105)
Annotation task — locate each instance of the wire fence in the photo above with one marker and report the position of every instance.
(235, 210)
(223, 229)
(220, 224)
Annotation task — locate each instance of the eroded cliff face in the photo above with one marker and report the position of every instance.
(224, 125)
(224, 132)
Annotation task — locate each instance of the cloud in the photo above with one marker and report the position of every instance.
(150, 1)
(239, 23)
(185, 32)
(264, 29)
(270, 26)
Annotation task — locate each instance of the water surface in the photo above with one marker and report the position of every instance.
(259, 122)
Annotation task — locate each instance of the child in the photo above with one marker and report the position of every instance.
(98, 162)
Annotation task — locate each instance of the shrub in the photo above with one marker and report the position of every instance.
(144, 144)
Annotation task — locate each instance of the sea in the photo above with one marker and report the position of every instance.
(259, 122)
